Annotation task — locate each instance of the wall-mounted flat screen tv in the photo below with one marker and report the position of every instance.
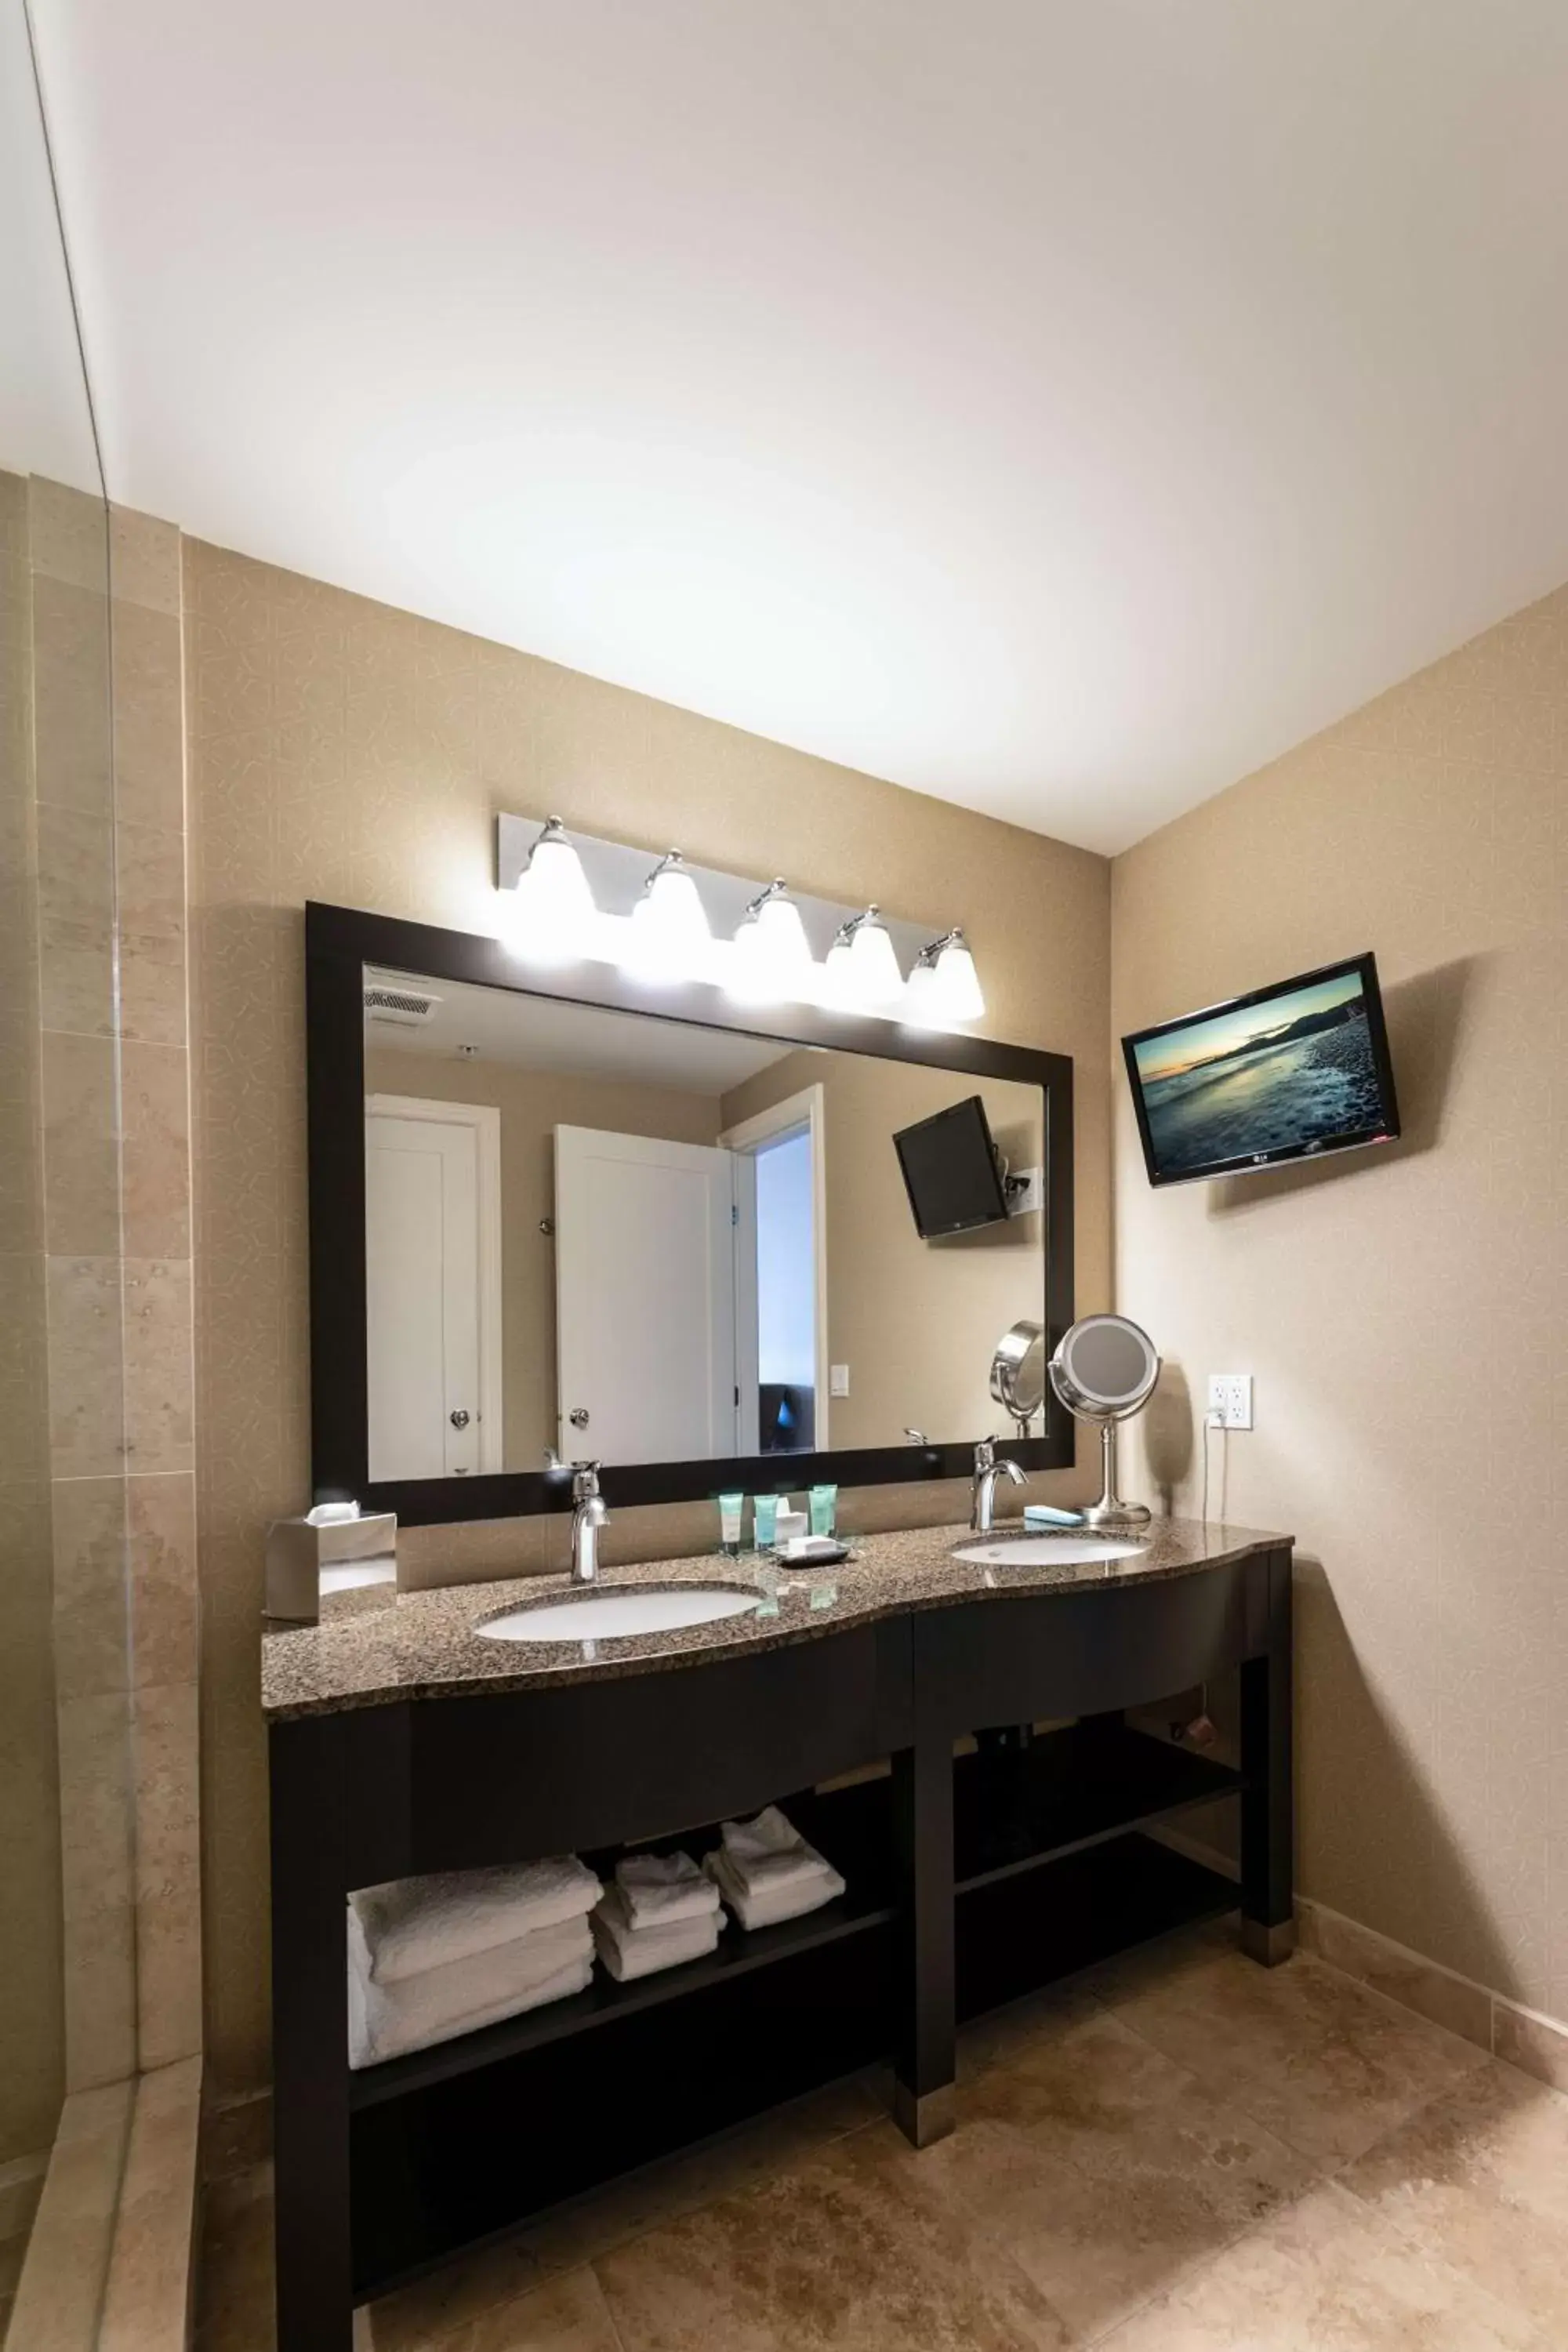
(951, 1171)
(1285, 1073)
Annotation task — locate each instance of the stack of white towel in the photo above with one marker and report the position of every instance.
(766, 1871)
(659, 1912)
(432, 1957)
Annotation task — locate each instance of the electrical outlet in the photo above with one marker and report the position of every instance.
(1026, 1192)
(839, 1380)
(1230, 1398)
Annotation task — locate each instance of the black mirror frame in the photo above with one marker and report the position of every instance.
(339, 943)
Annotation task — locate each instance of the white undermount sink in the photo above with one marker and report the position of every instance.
(1044, 1551)
(617, 1611)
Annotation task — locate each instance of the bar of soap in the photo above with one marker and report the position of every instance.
(800, 1550)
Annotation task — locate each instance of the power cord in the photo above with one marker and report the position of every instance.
(1212, 1421)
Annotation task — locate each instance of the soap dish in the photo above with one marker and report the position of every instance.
(813, 1551)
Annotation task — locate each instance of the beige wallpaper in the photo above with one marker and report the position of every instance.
(533, 1104)
(1403, 1312)
(914, 1322)
(342, 750)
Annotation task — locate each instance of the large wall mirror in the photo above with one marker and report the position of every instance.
(705, 1247)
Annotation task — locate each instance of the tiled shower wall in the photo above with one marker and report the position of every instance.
(155, 1164)
(115, 1193)
(32, 2026)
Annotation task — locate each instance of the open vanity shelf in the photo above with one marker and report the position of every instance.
(1051, 1873)
(1015, 1810)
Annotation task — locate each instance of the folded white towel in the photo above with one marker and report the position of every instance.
(791, 1899)
(627, 1951)
(768, 1852)
(384, 2020)
(409, 1924)
(658, 1888)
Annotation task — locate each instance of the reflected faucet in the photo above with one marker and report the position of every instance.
(588, 1515)
(988, 1468)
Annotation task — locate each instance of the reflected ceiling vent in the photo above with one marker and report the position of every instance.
(399, 1003)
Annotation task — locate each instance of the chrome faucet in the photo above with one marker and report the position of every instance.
(988, 1468)
(588, 1516)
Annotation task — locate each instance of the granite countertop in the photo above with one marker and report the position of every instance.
(378, 1646)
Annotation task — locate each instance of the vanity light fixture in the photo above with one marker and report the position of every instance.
(944, 985)
(552, 911)
(669, 936)
(772, 955)
(862, 971)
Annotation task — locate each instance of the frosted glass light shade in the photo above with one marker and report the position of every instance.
(874, 962)
(944, 986)
(959, 983)
(862, 973)
(552, 915)
(772, 955)
(669, 936)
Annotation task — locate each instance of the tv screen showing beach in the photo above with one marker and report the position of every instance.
(1298, 1072)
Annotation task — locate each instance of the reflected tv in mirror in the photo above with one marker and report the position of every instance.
(1290, 1072)
(951, 1171)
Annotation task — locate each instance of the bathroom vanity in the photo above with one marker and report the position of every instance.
(402, 1741)
(574, 1232)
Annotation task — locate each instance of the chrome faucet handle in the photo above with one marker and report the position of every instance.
(554, 1465)
(584, 1481)
(986, 1453)
(917, 1436)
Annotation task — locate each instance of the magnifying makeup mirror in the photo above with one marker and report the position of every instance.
(1018, 1372)
(1104, 1371)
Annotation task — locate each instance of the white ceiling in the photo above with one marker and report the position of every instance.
(541, 1032)
(45, 427)
(1057, 409)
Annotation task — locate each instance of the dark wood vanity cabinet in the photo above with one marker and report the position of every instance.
(971, 1879)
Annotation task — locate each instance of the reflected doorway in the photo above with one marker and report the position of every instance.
(782, 1274)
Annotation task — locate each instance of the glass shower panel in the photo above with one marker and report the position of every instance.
(67, 1968)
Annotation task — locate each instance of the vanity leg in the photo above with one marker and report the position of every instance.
(924, 2060)
(310, 2038)
(1268, 1806)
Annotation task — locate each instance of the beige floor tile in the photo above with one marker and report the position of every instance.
(1322, 2062)
(1324, 2276)
(566, 2315)
(744, 2158)
(850, 2250)
(1005, 2034)
(1480, 2179)
(11, 2253)
(234, 2304)
(1156, 2149)
(434, 2309)
(1104, 2170)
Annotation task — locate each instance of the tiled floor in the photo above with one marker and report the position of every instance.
(1182, 2153)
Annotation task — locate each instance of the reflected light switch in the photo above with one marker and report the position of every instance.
(838, 1380)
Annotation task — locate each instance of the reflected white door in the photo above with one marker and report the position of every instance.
(432, 1250)
(645, 1297)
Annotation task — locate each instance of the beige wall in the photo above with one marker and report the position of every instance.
(915, 1321)
(342, 750)
(1402, 1311)
(533, 1104)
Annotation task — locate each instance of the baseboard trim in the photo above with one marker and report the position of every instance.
(1525, 2038)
